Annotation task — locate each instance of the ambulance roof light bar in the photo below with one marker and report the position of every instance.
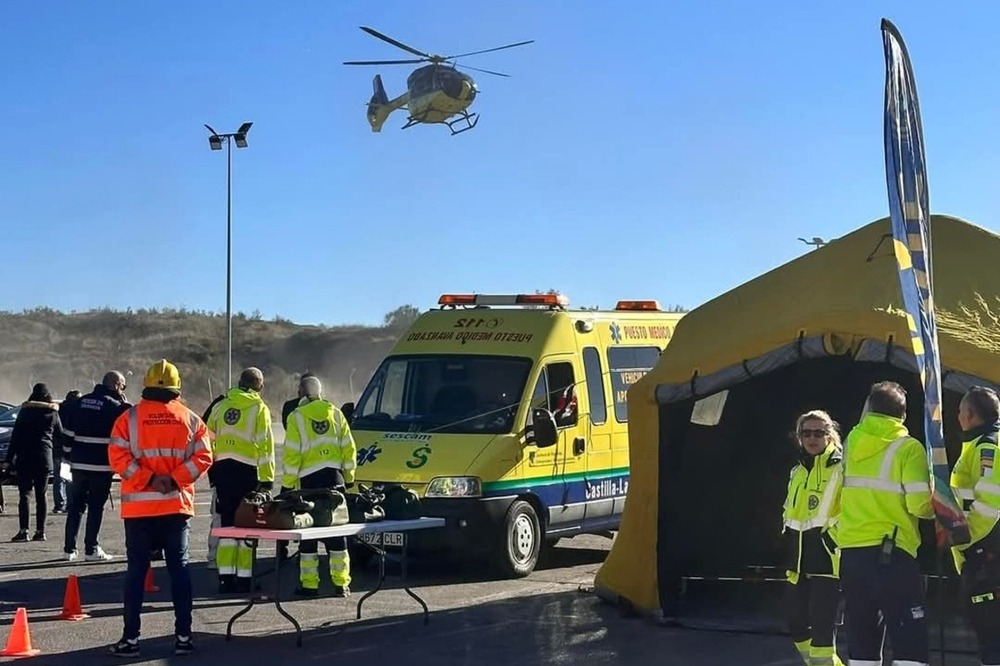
(478, 300)
(638, 305)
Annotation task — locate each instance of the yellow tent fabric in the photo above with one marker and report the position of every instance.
(843, 298)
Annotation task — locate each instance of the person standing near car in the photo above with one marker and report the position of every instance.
(60, 454)
(319, 453)
(89, 424)
(36, 429)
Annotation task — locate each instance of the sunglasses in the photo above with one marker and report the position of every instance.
(812, 433)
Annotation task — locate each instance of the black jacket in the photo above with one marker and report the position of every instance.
(35, 431)
(89, 424)
(287, 409)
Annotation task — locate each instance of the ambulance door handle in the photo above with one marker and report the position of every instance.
(579, 446)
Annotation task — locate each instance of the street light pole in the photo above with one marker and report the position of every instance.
(229, 264)
(215, 143)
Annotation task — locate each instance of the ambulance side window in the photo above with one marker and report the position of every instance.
(595, 385)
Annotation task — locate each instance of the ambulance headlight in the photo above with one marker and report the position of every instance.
(455, 486)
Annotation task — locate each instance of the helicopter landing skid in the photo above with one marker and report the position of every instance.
(470, 121)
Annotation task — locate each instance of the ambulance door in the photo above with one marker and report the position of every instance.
(552, 470)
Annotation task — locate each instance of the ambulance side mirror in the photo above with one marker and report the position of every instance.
(348, 411)
(544, 426)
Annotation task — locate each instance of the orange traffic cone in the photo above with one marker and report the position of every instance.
(71, 602)
(19, 641)
(150, 584)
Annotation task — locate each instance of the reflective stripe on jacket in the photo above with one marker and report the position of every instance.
(240, 425)
(977, 487)
(318, 437)
(886, 486)
(158, 439)
(812, 504)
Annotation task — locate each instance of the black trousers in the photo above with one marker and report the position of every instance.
(325, 478)
(26, 484)
(233, 481)
(812, 610)
(894, 589)
(981, 593)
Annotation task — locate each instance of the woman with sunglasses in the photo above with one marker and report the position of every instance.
(811, 557)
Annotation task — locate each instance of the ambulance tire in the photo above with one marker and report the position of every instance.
(521, 541)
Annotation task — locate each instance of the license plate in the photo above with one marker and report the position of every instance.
(383, 538)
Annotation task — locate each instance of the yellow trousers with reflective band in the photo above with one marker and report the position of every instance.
(234, 557)
(817, 656)
(340, 569)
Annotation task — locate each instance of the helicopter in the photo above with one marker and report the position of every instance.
(434, 92)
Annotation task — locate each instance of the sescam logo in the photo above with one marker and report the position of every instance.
(613, 487)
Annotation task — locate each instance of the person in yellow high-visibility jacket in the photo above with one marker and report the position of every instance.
(243, 448)
(977, 486)
(886, 493)
(319, 453)
(812, 504)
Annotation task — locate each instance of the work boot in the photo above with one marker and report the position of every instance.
(227, 584)
(306, 592)
(183, 645)
(342, 591)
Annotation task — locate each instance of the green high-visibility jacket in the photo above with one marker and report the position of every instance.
(318, 437)
(241, 425)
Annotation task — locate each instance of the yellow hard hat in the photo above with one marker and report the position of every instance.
(163, 374)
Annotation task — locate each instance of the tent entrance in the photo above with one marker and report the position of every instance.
(722, 486)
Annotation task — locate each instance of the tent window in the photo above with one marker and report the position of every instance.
(595, 385)
(628, 365)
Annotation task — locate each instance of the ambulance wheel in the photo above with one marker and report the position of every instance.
(522, 541)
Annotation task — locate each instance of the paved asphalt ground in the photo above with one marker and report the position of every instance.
(547, 618)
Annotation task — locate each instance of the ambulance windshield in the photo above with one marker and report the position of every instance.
(452, 393)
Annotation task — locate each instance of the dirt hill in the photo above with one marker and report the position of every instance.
(74, 350)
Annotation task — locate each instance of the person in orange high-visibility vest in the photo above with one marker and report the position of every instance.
(159, 448)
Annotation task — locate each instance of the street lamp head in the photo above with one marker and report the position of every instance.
(241, 140)
(215, 142)
(244, 128)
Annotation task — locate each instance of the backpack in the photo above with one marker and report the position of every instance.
(328, 507)
(258, 511)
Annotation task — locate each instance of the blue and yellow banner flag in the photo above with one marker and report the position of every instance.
(909, 208)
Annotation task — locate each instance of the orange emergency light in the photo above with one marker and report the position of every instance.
(551, 300)
(637, 305)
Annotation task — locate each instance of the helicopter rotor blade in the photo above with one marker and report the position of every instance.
(485, 71)
(498, 48)
(401, 45)
(384, 62)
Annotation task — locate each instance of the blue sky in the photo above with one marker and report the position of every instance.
(667, 150)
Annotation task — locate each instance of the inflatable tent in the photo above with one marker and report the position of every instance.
(710, 426)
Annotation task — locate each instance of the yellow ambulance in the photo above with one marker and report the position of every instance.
(507, 415)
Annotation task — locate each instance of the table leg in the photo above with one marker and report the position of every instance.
(253, 596)
(381, 573)
(402, 576)
(381, 577)
(277, 601)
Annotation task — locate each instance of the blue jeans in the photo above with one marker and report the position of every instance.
(60, 489)
(143, 535)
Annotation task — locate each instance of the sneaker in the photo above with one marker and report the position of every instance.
(125, 648)
(183, 645)
(38, 536)
(306, 592)
(98, 556)
(342, 591)
(71, 557)
(20, 537)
